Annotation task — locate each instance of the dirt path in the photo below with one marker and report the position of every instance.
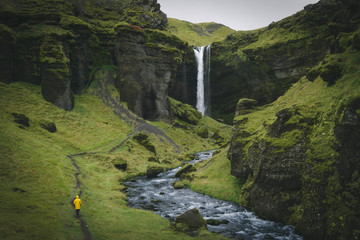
(84, 225)
(140, 125)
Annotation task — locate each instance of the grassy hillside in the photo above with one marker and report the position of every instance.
(320, 108)
(37, 178)
(200, 34)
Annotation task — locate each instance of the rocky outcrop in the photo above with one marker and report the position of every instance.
(300, 158)
(56, 73)
(147, 62)
(48, 125)
(262, 64)
(185, 169)
(57, 45)
(191, 220)
(120, 164)
(184, 87)
(144, 140)
(21, 119)
(153, 171)
(300, 176)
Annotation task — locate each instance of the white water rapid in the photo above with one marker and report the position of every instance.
(159, 195)
(202, 55)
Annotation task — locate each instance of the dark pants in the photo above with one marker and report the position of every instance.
(77, 212)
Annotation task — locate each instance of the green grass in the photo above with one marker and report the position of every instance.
(198, 34)
(319, 107)
(212, 178)
(37, 178)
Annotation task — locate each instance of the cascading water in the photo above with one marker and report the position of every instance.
(159, 195)
(202, 55)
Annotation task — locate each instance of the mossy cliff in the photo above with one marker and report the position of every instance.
(201, 34)
(60, 44)
(300, 153)
(262, 64)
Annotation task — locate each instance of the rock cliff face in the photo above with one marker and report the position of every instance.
(184, 88)
(300, 154)
(262, 64)
(147, 63)
(59, 44)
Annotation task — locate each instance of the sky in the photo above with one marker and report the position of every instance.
(236, 14)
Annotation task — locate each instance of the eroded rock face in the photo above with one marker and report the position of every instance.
(58, 47)
(293, 175)
(56, 73)
(7, 43)
(249, 65)
(145, 72)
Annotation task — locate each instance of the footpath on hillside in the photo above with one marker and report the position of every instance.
(84, 226)
(130, 118)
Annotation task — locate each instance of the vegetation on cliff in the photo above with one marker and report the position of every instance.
(199, 34)
(301, 151)
(262, 64)
(68, 53)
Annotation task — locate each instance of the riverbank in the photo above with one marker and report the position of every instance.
(159, 195)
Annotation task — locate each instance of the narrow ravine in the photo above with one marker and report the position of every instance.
(158, 195)
(84, 226)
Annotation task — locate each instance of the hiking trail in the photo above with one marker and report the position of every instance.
(84, 227)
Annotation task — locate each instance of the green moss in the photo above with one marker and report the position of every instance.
(34, 161)
(145, 141)
(212, 178)
(70, 22)
(198, 34)
(286, 140)
(185, 112)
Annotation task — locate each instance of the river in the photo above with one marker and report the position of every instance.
(158, 195)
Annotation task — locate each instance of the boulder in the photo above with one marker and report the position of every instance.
(144, 140)
(153, 171)
(179, 185)
(120, 164)
(185, 112)
(245, 105)
(185, 169)
(47, 125)
(21, 119)
(191, 220)
(216, 222)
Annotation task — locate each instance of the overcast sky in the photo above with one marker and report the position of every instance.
(236, 14)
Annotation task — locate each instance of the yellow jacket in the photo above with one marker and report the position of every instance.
(77, 202)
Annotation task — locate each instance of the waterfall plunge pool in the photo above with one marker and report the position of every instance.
(159, 195)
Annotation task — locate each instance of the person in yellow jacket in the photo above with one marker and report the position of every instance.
(77, 203)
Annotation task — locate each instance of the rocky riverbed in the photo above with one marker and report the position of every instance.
(229, 219)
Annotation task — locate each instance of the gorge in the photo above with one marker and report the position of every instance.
(119, 82)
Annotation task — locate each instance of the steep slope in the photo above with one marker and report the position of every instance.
(59, 44)
(300, 154)
(37, 177)
(199, 34)
(262, 64)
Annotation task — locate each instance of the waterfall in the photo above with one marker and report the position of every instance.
(202, 55)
